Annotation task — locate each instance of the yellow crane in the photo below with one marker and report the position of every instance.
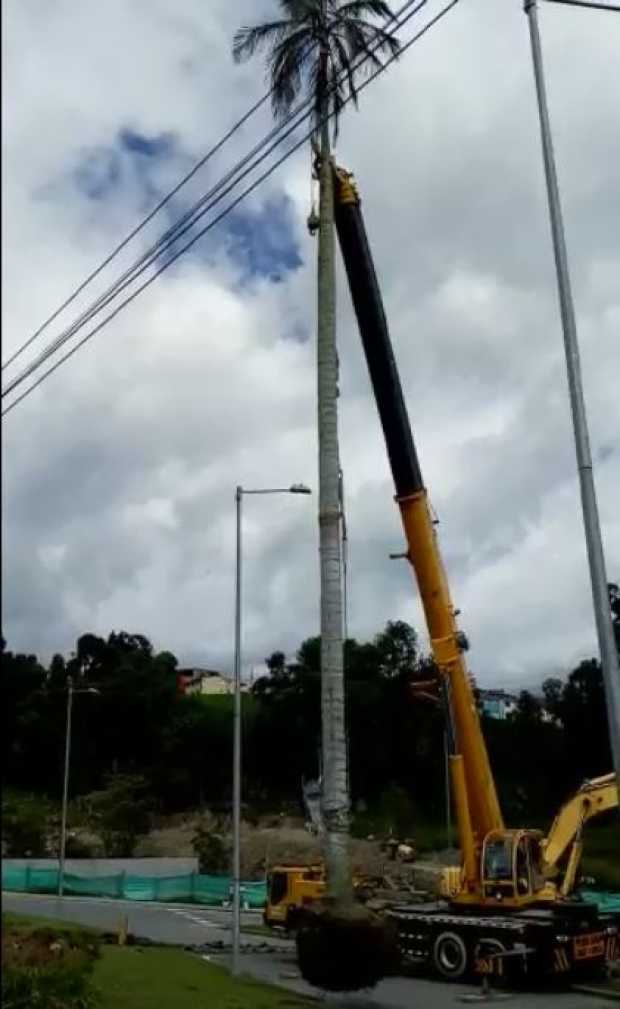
(511, 893)
(505, 888)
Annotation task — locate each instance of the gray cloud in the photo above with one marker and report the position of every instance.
(119, 474)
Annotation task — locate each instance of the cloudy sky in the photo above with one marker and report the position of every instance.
(119, 472)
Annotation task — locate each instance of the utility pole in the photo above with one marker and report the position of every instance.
(236, 922)
(65, 789)
(594, 543)
(65, 778)
(296, 488)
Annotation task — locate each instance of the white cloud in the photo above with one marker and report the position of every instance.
(128, 457)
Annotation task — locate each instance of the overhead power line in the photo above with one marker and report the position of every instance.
(231, 206)
(159, 206)
(132, 234)
(181, 227)
(614, 8)
(190, 218)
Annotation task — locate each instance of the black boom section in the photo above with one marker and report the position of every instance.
(375, 336)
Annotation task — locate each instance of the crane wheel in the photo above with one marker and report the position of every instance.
(450, 957)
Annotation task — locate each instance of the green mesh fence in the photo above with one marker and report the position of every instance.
(190, 888)
(607, 900)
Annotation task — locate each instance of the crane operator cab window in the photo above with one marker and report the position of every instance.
(511, 865)
(523, 869)
(498, 860)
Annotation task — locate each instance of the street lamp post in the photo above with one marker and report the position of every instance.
(65, 782)
(594, 543)
(296, 488)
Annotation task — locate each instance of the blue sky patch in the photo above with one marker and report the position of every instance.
(263, 242)
(138, 144)
(98, 172)
(260, 241)
(132, 155)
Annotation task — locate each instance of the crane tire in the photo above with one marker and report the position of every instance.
(450, 956)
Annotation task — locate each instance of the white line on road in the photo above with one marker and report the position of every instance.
(193, 917)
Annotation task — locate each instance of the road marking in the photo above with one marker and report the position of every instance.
(66, 898)
(192, 917)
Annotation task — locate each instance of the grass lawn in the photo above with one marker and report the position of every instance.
(28, 922)
(165, 978)
(130, 978)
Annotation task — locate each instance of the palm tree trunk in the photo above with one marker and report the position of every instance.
(335, 800)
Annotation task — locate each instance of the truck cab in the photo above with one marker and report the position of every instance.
(289, 889)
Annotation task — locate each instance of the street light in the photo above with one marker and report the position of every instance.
(594, 543)
(65, 785)
(296, 488)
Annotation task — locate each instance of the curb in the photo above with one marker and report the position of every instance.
(611, 994)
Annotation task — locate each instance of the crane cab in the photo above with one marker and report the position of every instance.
(511, 868)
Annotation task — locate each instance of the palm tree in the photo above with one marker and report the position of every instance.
(312, 50)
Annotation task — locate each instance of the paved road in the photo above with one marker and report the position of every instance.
(193, 925)
(184, 924)
(408, 993)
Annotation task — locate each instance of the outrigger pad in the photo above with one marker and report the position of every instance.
(345, 948)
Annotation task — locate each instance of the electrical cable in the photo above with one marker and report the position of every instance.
(132, 234)
(246, 192)
(191, 217)
(613, 8)
(181, 227)
(169, 236)
(159, 206)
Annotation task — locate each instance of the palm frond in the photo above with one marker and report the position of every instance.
(346, 34)
(369, 40)
(288, 60)
(364, 9)
(299, 10)
(342, 65)
(250, 38)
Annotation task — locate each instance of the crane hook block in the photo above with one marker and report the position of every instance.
(313, 222)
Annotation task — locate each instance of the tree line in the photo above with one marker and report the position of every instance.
(139, 725)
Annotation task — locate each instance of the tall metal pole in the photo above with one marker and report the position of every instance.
(65, 789)
(596, 558)
(236, 923)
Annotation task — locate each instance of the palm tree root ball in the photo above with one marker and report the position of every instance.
(345, 947)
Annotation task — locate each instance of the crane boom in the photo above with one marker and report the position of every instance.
(477, 805)
(594, 797)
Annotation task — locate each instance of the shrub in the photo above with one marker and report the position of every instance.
(397, 810)
(211, 849)
(120, 814)
(44, 968)
(24, 822)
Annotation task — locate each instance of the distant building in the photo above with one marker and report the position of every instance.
(497, 703)
(202, 681)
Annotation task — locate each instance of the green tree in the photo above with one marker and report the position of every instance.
(312, 49)
(553, 689)
(529, 709)
(24, 826)
(211, 849)
(21, 686)
(120, 813)
(397, 648)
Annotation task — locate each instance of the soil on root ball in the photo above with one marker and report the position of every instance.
(345, 948)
